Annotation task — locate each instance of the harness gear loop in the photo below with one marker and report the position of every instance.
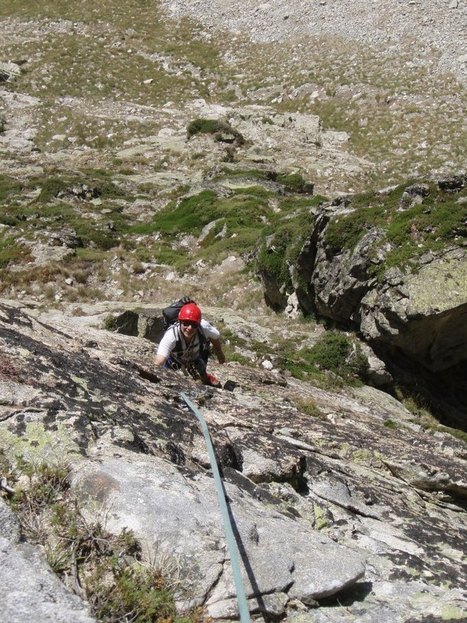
(229, 534)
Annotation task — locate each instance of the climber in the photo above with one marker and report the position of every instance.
(186, 345)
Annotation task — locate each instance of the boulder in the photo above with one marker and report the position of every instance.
(147, 323)
(425, 314)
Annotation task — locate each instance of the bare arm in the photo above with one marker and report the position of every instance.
(218, 350)
(159, 360)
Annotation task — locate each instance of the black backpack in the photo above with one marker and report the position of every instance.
(170, 313)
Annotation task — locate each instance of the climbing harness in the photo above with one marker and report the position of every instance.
(192, 358)
(229, 535)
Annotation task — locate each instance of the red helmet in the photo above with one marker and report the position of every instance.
(190, 312)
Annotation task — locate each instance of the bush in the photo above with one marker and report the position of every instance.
(295, 183)
(338, 353)
(215, 127)
(281, 248)
(12, 251)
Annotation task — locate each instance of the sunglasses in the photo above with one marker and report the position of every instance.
(189, 323)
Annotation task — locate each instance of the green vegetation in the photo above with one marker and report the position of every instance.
(419, 407)
(109, 52)
(373, 99)
(55, 202)
(309, 407)
(108, 568)
(221, 130)
(409, 228)
(11, 251)
(336, 358)
(235, 220)
(283, 240)
(108, 59)
(132, 52)
(294, 183)
(85, 209)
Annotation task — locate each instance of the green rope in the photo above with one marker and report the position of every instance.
(229, 535)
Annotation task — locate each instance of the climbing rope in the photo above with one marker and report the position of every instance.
(229, 534)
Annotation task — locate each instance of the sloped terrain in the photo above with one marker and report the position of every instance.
(96, 102)
(332, 492)
(433, 30)
(153, 149)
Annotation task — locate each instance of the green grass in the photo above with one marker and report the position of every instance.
(390, 96)
(410, 231)
(309, 407)
(334, 360)
(12, 251)
(117, 47)
(283, 240)
(105, 61)
(51, 203)
(294, 183)
(191, 214)
(114, 55)
(55, 205)
(8, 186)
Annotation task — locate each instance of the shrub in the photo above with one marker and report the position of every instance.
(294, 183)
(216, 127)
(309, 407)
(338, 353)
(12, 251)
(281, 247)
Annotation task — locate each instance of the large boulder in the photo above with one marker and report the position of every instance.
(423, 314)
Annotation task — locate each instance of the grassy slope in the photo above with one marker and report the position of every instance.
(102, 71)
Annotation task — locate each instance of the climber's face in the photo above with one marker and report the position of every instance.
(189, 329)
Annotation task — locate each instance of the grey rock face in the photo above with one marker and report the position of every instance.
(329, 510)
(414, 312)
(304, 564)
(425, 315)
(29, 587)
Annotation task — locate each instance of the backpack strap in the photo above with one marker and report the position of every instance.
(203, 342)
(178, 339)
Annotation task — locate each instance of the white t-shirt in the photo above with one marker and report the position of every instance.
(169, 340)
